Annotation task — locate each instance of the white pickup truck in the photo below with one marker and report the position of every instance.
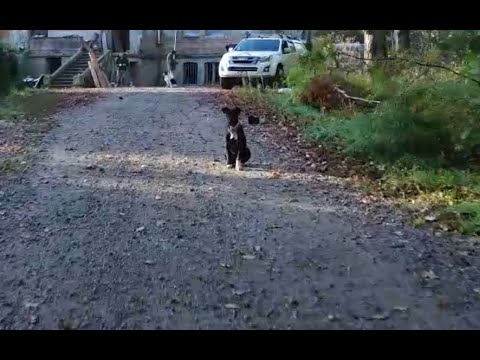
(269, 58)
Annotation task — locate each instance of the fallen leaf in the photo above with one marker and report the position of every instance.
(401, 308)
(33, 319)
(232, 306)
(430, 218)
(398, 233)
(239, 292)
(444, 227)
(149, 262)
(384, 316)
(274, 175)
(225, 265)
(249, 257)
(31, 305)
(429, 275)
(157, 197)
(443, 304)
(476, 291)
(141, 228)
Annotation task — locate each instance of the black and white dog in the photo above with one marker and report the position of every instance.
(237, 151)
(169, 79)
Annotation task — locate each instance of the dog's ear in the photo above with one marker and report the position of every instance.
(225, 110)
(237, 110)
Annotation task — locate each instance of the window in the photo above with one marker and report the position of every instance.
(211, 73)
(291, 47)
(192, 33)
(300, 47)
(258, 45)
(217, 33)
(190, 73)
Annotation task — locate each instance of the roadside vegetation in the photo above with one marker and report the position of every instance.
(24, 113)
(403, 119)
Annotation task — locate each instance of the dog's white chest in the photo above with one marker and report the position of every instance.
(233, 132)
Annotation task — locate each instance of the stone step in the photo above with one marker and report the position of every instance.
(65, 79)
(76, 70)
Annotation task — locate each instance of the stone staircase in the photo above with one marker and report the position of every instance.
(65, 78)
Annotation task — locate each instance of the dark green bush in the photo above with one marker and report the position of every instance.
(436, 122)
(8, 69)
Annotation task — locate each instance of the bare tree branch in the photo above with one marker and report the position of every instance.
(355, 98)
(414, 62)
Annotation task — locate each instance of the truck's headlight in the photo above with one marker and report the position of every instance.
(266, 59)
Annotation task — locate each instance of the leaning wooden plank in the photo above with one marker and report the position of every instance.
(93, 58)
(99, 75)
(104, 78)
(101, 79)
(94, 75)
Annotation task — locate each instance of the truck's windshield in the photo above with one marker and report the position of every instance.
(258, 45)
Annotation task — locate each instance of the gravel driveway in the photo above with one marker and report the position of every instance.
(130, 220)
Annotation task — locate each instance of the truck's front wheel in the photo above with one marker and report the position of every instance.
(226, 83)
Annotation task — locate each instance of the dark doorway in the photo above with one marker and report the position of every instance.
(54, 64)
(190, 73)
(120, 40)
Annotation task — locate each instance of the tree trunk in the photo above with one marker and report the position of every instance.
(368, 45)
(374, 45)
(401, 40)
(308, 40)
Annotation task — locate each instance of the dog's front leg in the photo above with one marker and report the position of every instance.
(238, 163)
(230, 155)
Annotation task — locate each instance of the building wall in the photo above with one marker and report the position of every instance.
(15, 38)
(148, 49)
(197, 46)
(53, 46)
(35, 66)
(86, 34)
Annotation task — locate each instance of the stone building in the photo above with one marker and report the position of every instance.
(50, 52)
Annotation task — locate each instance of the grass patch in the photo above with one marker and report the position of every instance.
(24, 116)
(28, 105)
(464, 217)
(12, 164)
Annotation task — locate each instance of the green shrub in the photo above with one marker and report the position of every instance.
(8, 69)
(464, 216)
(437, 123)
